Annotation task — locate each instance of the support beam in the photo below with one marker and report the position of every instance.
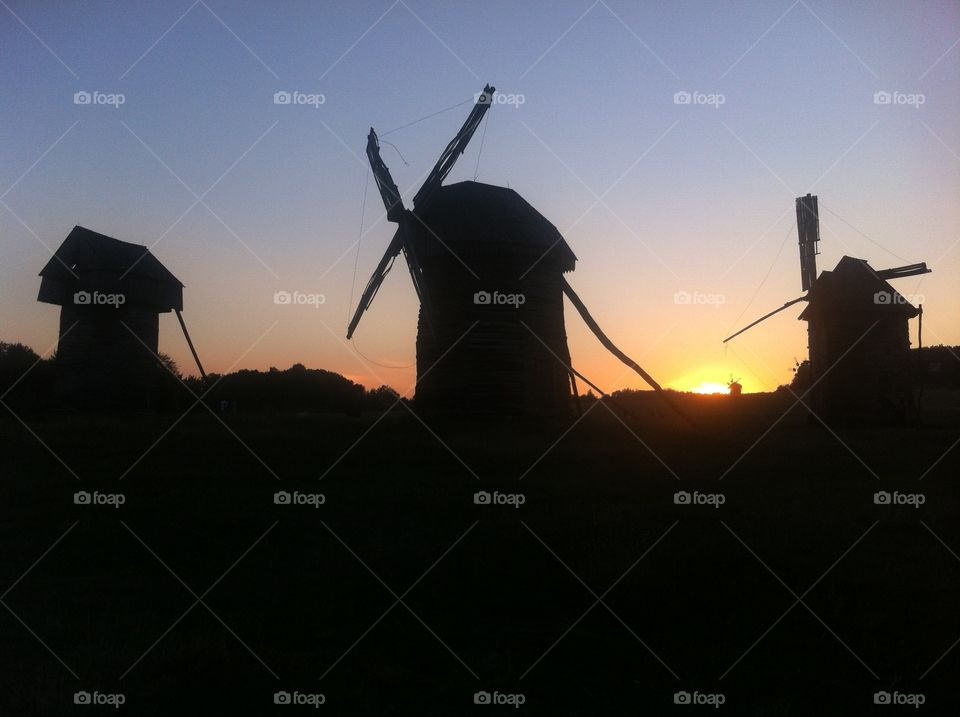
(609, 345)
(766, 316)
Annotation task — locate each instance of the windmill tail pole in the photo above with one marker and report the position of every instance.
(609, 345)
(766, 316)
(186, 335)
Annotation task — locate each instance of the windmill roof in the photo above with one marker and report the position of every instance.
(485, 214)
(88, 260)
(854, 287)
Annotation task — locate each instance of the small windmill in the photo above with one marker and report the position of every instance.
(489, 270)
(857, 329)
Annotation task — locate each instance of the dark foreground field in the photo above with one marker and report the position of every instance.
(600, 594)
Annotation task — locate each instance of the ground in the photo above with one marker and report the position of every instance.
(599, 594)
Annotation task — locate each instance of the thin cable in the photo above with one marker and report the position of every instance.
(356, 259)
(432, 114)
(764, 280)
(359, 353)
(872, 241)
(486, 121)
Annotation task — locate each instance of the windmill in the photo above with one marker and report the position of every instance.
(488, 270)
(858, 336)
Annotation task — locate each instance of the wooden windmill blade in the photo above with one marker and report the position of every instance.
(454, 149)
(407, 220)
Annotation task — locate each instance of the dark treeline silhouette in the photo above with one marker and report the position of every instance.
(28, 383)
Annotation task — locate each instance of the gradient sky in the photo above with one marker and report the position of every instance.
(693, 198)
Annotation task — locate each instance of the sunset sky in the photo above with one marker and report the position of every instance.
(654, 197)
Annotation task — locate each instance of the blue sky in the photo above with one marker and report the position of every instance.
(692, 197)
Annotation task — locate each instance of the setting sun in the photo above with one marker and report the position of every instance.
(710, 387)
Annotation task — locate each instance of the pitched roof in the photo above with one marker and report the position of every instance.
(854, 287)
(483, 214)
(90, 261)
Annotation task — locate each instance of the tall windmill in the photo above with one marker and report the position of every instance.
(858, 337)
(489, 270)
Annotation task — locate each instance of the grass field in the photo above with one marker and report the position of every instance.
(600, 594)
